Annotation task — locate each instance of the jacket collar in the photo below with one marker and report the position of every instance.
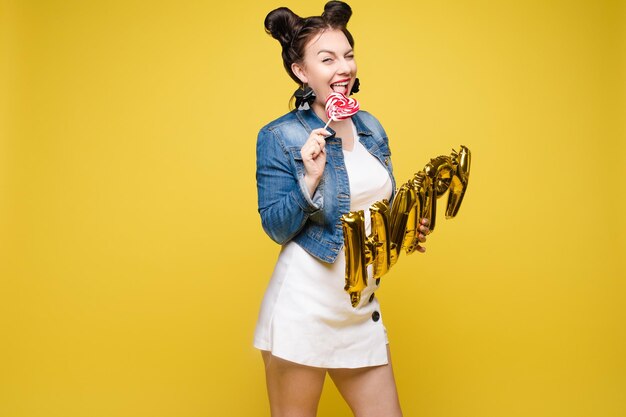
(311, 121)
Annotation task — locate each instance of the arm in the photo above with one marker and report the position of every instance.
(284, 202)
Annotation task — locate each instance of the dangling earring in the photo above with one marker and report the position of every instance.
(304, 97)
(355, 87)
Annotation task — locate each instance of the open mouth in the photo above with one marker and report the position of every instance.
(341, 87)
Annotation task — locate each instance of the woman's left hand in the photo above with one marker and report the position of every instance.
(424, 230)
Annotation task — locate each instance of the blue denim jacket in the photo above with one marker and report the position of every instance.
(287, 210)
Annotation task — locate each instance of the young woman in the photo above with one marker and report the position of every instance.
(307, 177)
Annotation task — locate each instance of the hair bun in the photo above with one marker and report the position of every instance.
(282, 24)
(337, 13)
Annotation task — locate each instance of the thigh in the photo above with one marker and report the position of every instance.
(371, 391)
(294, 390)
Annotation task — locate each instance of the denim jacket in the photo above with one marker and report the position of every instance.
(287, 210)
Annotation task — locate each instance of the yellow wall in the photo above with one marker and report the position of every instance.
(132, 257)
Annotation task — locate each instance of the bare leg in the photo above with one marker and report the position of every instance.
(371, 391)
(294, 390)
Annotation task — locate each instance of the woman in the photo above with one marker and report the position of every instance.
(307, 177)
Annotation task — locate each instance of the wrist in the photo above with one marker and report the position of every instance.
(311, 183)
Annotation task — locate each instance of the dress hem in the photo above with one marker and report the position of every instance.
(265, 346)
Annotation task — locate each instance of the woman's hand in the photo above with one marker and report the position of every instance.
(424, 230)
(314, 158)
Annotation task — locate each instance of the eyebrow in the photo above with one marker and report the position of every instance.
(331, 52)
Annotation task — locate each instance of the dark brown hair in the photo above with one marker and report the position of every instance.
(293, 32)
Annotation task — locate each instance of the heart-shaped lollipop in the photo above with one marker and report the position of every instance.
(340, 107)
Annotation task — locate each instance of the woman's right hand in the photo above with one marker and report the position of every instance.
(313, 154)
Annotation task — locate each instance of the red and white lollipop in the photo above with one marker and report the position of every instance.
(340, 107)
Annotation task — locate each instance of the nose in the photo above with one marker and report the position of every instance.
(344, 67)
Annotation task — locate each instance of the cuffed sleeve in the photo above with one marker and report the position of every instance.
(311, 204)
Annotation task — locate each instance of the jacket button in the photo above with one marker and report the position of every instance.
(372, 297)
(375, 315)
(386, 160)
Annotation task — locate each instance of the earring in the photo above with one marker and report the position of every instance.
(304, 97)
(355, 87)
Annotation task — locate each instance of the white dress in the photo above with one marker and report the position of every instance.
(306, 316)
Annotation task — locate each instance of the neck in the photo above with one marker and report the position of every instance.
(320, 110)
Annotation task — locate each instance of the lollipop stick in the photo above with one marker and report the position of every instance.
(327, 123)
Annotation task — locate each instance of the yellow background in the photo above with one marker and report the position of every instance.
(131, 253)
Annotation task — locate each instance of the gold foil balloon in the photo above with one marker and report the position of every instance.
(449, 173)
(400, 209)
(398, 228)
(361, 251)
(439, 170)
(459, 181)
(354, 247)
(378, 252)
(422, 185)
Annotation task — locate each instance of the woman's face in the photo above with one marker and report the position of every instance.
(328, 65)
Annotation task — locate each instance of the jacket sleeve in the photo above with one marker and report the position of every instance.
(284, 202)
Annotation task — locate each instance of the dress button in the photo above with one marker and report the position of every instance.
(377, 281)
(375, 315)
(372, 297)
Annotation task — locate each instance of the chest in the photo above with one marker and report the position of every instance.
(346, 133)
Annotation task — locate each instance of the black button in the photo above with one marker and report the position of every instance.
(375, 315)
(377, 281)
(372, 297)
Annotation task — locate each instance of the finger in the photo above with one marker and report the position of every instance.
(316, 150)
(420, 249)
(424, 229)
(309, 151)
(421, 238)
(425, 221)
(322, 131)
(320, 135)
(317, 138)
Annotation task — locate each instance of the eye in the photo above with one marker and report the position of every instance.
(351, 56)
(327, 59)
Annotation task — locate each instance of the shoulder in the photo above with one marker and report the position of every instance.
(367, 116)
(287, 130)
(281, 122)
(372, 124)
